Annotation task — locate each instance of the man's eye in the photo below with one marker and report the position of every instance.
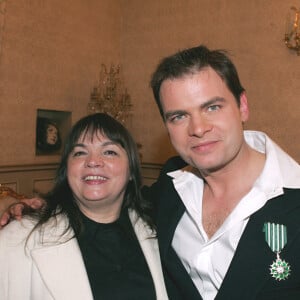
(176, 118)
(213, 107)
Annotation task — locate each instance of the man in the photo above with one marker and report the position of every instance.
(215, 214)
(217, 206)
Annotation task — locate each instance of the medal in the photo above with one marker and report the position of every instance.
(280, 269)
(276, 237)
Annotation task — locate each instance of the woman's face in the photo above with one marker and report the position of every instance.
(98, 174)
(51, 135)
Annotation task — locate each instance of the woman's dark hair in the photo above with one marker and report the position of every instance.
(42, 145)
(60, 199)
(193, 60)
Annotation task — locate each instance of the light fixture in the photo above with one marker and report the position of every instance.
(292, 30)
(109, 96)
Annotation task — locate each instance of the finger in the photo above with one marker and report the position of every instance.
(4, 219)
(34, 203)
(16, 210)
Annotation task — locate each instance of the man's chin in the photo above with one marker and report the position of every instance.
(206, 167)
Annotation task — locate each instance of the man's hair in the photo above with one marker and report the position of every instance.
(191, 61)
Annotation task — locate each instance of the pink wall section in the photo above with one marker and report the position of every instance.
(252, 31)
(51, 53)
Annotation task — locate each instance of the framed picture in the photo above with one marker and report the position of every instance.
(52, 126)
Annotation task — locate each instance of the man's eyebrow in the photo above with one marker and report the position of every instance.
(212, 102)
(170, 114)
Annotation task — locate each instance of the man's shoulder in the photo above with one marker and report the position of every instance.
(172, 164)
(292, 194)
(163, 183)
(286, 203)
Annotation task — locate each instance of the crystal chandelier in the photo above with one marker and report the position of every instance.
(292, 30)
(109, 96)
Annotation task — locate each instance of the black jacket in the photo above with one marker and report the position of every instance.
(248, 276)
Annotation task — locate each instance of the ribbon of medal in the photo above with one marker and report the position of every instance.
(276, 237)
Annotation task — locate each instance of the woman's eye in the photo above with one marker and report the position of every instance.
(78, 153)
(110, 153)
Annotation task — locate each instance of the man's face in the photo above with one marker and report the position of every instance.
(203, 119)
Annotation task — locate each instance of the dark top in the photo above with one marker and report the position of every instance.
(114, 261)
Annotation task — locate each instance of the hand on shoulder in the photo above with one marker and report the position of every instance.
(14, 206)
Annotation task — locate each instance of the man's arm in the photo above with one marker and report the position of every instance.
(153, 192)
(6, 202)
(18, 208)
(12, 205)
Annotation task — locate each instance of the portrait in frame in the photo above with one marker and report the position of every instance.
(51, 128)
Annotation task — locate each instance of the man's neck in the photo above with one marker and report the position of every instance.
(224, 188)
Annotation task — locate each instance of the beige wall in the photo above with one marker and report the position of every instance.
(51, 52)
(253, 31)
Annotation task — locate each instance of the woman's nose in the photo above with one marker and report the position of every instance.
(94, 161)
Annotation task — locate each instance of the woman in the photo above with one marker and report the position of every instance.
(94, 239)
(47, 136)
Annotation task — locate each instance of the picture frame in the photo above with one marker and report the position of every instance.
(52, 126)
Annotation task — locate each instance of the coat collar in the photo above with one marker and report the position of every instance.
(63, 270)
(66, 276)
(168, 216)
(148, 242)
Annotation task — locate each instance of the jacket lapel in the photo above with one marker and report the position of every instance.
(149, 246)
(170, 210)
(249, 269)
(63, 271)
(169, 213)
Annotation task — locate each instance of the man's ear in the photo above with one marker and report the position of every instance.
(244, 108)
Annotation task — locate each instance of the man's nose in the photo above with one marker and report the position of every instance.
(199, 125)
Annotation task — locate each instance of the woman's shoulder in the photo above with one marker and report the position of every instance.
(24, 231)
(18, 227)
(14, 235)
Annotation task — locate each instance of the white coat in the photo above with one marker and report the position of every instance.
(52, 270)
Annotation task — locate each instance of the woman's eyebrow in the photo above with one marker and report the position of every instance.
(105, 143)
(79, 145)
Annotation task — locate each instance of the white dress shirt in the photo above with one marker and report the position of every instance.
(207, 260)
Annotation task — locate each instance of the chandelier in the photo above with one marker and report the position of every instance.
(109, 96)
(292, 30)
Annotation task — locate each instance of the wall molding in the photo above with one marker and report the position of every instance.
(39, 178)
(28, 179)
